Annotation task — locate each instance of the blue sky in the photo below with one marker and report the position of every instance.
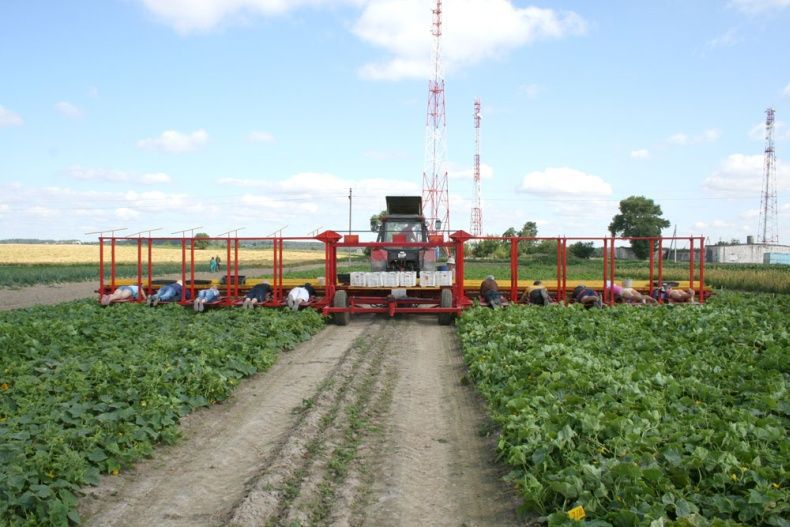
(262, 113)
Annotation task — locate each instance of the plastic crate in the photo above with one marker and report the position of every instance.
(427, 279)
(373, 279)
(444, 278)
(407, 279)
(358, 279)
(390, 279)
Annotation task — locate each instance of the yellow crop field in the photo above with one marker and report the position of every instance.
(75, 254)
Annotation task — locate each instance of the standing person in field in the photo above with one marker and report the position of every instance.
(123, 293)
(489, 291)
(205, 296)
(299, 295)
(537, 295)
(259, 294)
(219, 263)
(212, 265)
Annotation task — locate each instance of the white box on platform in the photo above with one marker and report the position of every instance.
(407, 279)
(373, 279)
(443, 278)
(427, 279)
(390, 279)
(358, 279)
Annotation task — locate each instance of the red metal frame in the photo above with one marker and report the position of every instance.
(379, 300)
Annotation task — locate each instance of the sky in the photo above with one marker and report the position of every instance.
(260, 115)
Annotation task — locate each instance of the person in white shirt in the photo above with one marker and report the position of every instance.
(299, 295)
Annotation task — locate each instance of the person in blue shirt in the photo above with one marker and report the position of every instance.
(166, 293)
(124, 292)
(205, 296)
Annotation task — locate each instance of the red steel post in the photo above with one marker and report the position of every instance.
(150, 265)
(559, 272)
(701, 295)
(183, 268)
(280, 259)
(660, 264)
(236, 269)
(112, 268)
(605, 268)
(101, 266)
(565, 269)
(192, 267)
(612, 272)
(652, 246)
(227, 268)
(139, 268)
(691, 263)
(514, 269)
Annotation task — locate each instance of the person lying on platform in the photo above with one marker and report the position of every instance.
(166, 293)
(489, 291)
(586, 296)
(679, 296)
(258, 294)
(205, 296)
(300, 295)
(537, 295)
(124, 292)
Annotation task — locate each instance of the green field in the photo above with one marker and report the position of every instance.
(86, 390)
(642, 416)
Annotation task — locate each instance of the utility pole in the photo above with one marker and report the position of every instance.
(350, 194)
(477, 210)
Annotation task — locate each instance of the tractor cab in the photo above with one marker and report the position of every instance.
(403, 222)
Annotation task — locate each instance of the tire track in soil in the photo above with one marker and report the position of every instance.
(197, 481)
(367, 424)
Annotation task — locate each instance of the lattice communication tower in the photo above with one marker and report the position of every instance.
(435, 193)
(477, 210)
(768, 230)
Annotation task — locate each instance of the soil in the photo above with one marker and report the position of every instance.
(366, 424)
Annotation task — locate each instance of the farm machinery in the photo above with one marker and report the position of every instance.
(405, 276)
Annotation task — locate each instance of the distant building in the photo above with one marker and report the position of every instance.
(746, 253)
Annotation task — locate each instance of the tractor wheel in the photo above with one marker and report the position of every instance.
(341, 300)
(446, 300)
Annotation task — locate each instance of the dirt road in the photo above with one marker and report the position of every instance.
(368, 424)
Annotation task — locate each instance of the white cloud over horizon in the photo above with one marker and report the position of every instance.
(115, 176)
(642, 153)
(710, 135)
(741, 174)
(754, 7)
(174, 142)
(472, 31)
(9, 118)
(68, 110)
(564, 181)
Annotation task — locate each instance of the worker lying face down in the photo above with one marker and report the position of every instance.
(489, 291)
(537, 295)
(259, 294)
(299, 295)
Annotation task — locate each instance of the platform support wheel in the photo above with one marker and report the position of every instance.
(341, 300)
(446, 300)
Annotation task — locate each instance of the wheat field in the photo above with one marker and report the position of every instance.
(81, 254)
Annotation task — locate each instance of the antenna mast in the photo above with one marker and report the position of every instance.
(768, 231)
(477, 210)
(435, 196)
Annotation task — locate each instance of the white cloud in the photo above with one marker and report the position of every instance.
(531, 90)
(93, 92)
(115, 176)
(202, 15)
(564, 181)
(754, 7)
(725, 40)
(125, 213)
(174, 142)
(486, 172)
(472, 31)
(9, 118)
(642, 153)
(66, 109)
(708, 136)
(740, 175)
(154, 178)
(260, 137)
(786, 92)
(781, 131)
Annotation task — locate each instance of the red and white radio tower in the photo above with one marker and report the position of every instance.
(435, 196)
(477, 210)
(768, 231)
